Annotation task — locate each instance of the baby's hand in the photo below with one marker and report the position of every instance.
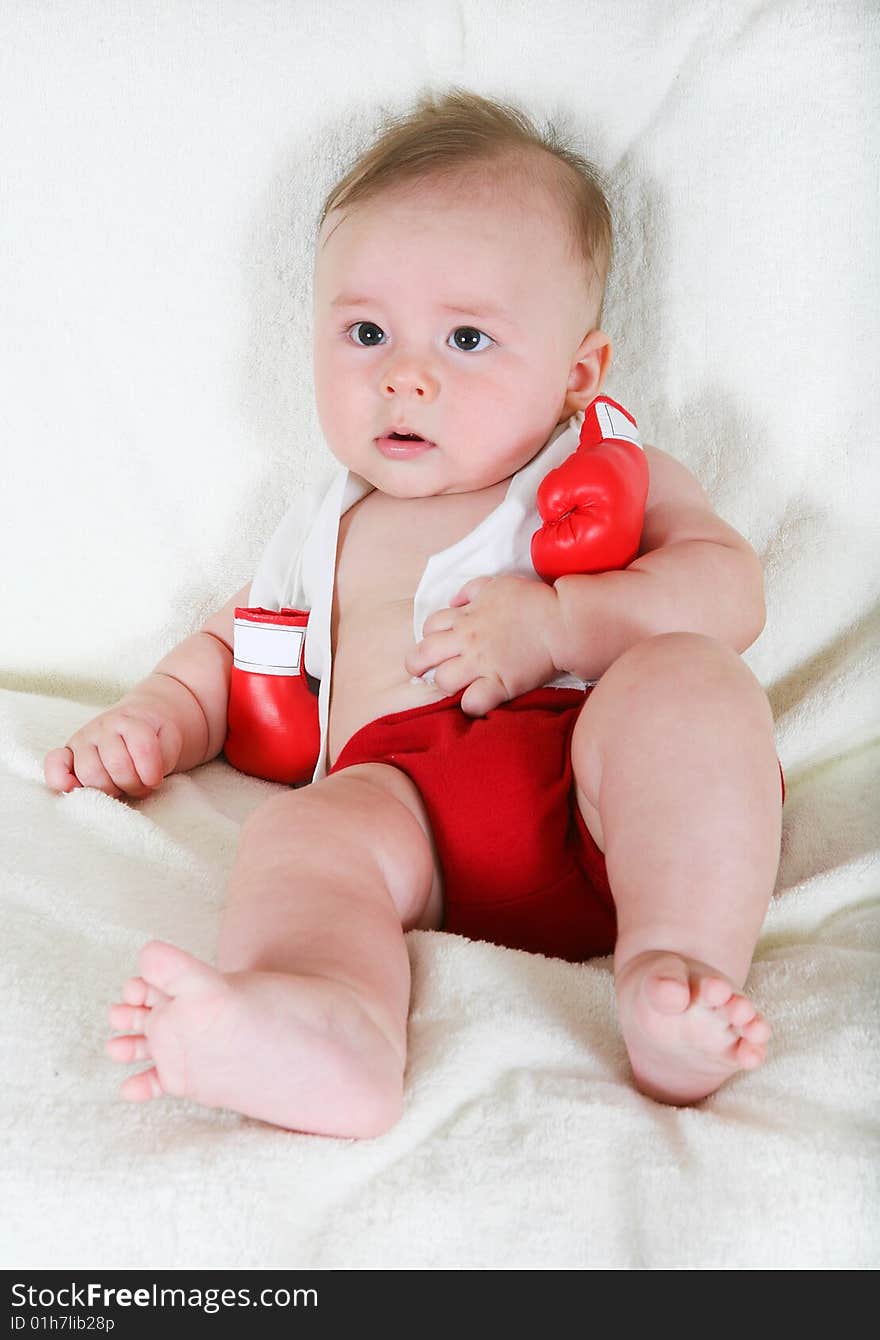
(494, 643)
(126, 751)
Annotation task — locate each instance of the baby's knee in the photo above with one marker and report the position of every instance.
(270, 822)
(675, 681)
(685, 663)
(707, 679)
(293, 811)
(677, 651)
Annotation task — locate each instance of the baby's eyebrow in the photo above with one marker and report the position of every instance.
(479, 309)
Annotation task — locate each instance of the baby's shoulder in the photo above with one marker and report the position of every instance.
(671, 482)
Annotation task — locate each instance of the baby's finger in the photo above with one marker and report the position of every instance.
(482, 696)
(470, 590)
(58, 770)
(432, 650)
(453, 675)
(143, 747)
(440, 621)
(120, 765)
(91, 771)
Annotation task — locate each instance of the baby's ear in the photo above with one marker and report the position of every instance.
(589, 368)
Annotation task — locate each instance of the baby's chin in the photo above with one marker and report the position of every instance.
(399, 479)
(397, 485)
(395, 488)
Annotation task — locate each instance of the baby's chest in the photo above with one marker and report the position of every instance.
(385, 543)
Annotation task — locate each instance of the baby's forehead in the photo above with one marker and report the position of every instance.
(516, 191)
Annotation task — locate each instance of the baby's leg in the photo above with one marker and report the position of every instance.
(303, 1022)
(678, 781)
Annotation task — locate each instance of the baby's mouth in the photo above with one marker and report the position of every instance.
(403, 445)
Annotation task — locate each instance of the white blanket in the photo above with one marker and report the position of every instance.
(163, 166)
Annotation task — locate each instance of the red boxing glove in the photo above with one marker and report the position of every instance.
(273, 729)
(593, 504)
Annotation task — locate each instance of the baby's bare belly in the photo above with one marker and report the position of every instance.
(369, 676)
(384, 544)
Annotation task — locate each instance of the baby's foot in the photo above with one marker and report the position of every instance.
(297, 1051)
(686, 1028)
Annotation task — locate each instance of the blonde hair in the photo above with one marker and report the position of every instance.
(447, 137)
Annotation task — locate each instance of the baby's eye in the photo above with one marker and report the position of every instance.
(469, 332)
(372, 330)
(372, 336)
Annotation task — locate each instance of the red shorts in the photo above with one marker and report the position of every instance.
(519, 864)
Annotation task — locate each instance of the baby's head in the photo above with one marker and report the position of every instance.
(460, 271)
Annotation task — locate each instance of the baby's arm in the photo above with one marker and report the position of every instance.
(505, 635)
(694, 573)
(172, 721)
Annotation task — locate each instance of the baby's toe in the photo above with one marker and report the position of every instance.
(129, 1017)
(165, 966)
(137, 991)
(667, 985)
(740, 1011)
(133, 1047)
(713, 991)
(747, 1056)
(138, 1088)
(757, 1030)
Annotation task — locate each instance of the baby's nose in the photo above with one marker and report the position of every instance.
(408, 377)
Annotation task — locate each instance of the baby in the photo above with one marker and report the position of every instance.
(575, 769)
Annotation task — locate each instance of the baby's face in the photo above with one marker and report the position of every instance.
(460, 318)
